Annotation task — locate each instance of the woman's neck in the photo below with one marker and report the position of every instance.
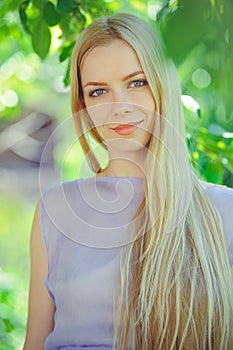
(122, 168)
(125, 162)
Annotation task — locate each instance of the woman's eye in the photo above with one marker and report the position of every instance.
(96, 93)
(138, 83)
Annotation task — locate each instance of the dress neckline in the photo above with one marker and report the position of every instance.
(118, 178)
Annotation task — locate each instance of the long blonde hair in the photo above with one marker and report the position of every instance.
(176, 282)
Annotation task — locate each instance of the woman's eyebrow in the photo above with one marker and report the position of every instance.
(128, 76)
(133, 74)
(95, 83)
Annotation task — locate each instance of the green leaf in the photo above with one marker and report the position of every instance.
(39, 4)
(24, 5)
(23, 16)
(214, 172)
(66, 6)
(70, 27)
(184, 28)
(51, 15)
(66, 52)
(41, 39)
(76, 25)
(81, 19)
(67, 75)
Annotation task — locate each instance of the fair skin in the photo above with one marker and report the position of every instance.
(121, 105)
(118, 89)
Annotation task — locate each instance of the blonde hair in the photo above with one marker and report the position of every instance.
(176, 282)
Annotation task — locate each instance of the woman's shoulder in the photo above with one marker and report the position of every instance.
(60, 189)
(60, 198)
(60, 209)
(222, 197)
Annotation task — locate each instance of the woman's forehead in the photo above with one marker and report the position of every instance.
(117, 56)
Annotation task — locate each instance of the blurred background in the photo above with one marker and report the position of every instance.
(36, 40)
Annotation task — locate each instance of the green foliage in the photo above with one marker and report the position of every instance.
(14, 270)
(23, 16)
(12, 322)
(66, 6)
(51, 14)
(41, 39)
(39, 16)
(212, 155)
(197, 37)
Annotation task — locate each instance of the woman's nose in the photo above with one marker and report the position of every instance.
(122, 103)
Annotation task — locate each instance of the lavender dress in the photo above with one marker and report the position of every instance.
(84, 225)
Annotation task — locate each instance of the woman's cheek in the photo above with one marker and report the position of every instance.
(97, 116)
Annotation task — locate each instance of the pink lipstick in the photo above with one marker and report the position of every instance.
(125, 129)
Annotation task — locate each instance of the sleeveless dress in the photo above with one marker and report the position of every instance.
(84, 224)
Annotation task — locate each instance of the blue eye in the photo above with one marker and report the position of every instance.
(138, 83)
(96, 93)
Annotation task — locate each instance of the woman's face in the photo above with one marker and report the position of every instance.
(117, 95)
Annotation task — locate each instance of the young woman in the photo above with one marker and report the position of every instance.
(138, 256)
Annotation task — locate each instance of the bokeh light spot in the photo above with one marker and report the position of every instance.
(201, 78)
(10, 98)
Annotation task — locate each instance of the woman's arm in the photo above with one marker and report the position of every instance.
(41, 307)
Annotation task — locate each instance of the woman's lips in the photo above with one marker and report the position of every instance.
(126, 129)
